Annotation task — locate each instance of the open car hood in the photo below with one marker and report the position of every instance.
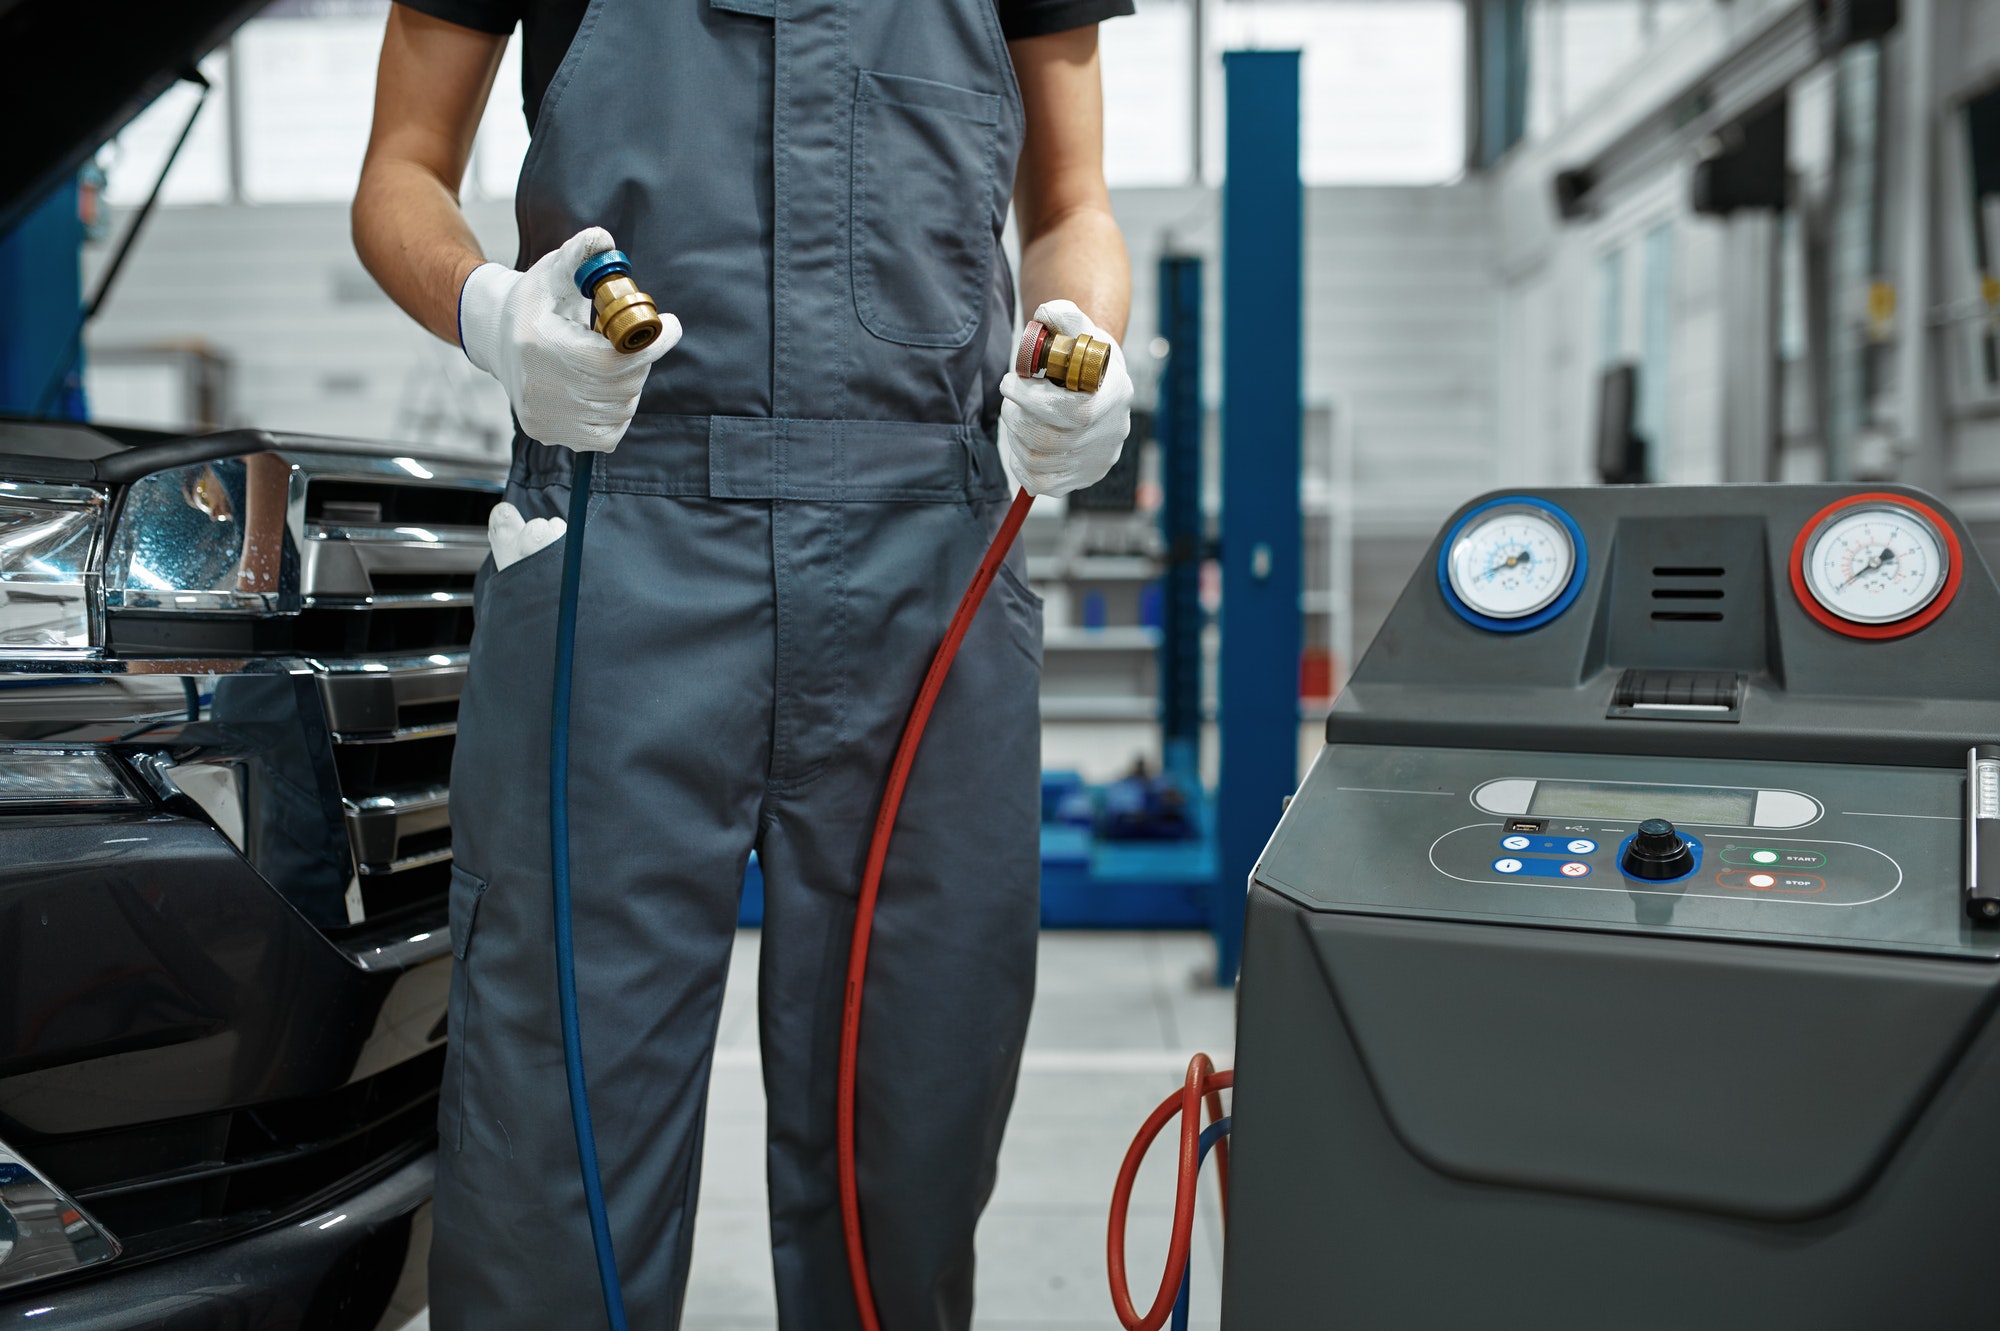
(72, 75)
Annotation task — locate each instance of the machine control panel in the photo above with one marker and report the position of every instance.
(1813, 853)
(1720, 865)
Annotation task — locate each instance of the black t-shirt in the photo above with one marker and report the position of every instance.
(547, 27)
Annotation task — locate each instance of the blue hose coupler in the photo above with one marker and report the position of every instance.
(624, 314)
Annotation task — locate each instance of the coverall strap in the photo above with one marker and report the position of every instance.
(758, 457)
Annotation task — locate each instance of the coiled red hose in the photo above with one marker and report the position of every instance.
(1203, 1084)
(871, 883)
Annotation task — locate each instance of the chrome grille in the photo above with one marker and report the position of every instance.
(349, 570)
(386, 584)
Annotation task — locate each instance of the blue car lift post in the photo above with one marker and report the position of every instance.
(1091, 882)
(1177, 425)
(1263, 222)
(41, 293)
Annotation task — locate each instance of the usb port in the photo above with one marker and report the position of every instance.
(1527, 824)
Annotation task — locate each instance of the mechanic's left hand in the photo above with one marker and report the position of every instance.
(1058, 441)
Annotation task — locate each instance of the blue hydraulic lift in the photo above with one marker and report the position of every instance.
(1093, 880)
(1263, 220)
(1177, 424)
(1090, 881)
(41, 295)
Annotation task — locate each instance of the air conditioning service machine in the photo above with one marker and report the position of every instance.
(1627, 958)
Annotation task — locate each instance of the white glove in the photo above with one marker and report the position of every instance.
(1058, 441)
(514, 538)
(531, 331)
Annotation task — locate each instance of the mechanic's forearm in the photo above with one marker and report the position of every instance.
(415, 241)
(1080, 256)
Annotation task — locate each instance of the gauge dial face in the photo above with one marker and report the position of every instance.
(1876, 563)
(1511, 561)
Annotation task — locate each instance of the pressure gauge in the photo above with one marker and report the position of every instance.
(1875, 566)
(1512, 564)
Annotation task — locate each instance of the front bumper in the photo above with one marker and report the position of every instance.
(361, 1265)
(184, 1055)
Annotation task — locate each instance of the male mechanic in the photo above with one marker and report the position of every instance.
(799, 493)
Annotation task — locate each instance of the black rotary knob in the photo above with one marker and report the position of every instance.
(1657, 852)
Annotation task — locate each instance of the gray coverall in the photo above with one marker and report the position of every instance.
(773, 553)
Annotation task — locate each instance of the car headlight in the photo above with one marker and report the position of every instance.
(43, 1233)
(47, 777)
(47, 582)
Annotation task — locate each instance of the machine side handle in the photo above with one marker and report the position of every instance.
(1982, 833)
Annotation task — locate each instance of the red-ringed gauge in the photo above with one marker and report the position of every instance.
(1875, 565)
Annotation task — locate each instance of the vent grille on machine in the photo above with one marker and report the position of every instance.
(1687, 593)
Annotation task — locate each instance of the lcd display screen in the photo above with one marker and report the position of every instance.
(1677, 804)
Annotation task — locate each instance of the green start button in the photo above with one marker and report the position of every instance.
(1774, 857)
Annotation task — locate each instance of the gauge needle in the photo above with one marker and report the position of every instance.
(1887, 556)
(1518, 557)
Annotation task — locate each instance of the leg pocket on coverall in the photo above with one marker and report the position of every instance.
(466, 894)
(1023, 610)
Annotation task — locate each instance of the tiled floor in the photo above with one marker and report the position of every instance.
(1117, 1016)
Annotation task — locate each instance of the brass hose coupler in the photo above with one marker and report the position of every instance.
(1076, 363)
(622, 312)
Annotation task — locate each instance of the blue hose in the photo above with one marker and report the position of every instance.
(1210, 1135)
(572, 1035)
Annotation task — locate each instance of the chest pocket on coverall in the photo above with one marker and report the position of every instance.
(922, 248)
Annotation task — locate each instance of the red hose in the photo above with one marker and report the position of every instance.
(1203, 1083)
(871, 883)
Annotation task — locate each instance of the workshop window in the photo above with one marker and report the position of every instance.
(308, 93)
(286, 120)
(1382, 85)
(1611, 309)
(1656, 330)
(132, 161)
(1578, 48)
(1982, 138)
(1148, 61)
(1382, 101)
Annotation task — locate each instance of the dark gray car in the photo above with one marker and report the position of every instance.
(229, 677)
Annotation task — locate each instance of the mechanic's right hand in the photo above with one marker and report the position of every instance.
(531, 331)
